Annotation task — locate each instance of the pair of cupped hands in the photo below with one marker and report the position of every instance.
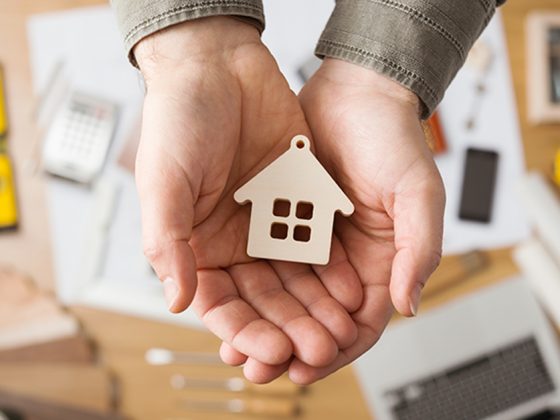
(217, 111)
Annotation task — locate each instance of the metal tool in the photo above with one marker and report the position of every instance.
(160, 356)
(273, 407)
(480, 60)
(279, 387)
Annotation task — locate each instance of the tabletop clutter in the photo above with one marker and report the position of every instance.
(42, 344)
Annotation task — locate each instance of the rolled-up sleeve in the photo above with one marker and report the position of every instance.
(419, 43)
(140, 18)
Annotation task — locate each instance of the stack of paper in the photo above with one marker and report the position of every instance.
(539, 257)
(28, 316)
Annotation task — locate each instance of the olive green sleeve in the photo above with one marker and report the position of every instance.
(419, 43)
(140, 18)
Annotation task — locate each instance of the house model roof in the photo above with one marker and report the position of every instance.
(297, 174)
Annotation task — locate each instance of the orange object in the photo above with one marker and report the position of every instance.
(434, 134)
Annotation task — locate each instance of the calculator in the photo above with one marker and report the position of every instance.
(77, 142)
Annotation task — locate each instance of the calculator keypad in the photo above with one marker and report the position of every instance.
(77, 143)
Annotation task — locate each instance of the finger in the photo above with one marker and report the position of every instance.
(340, 278)
(166, 203)
(418, 220)
(220, 307)
(371, 320)
(230, 356)
(371, 258)
(261, 373)
(254, 371)
(301, 282)
(260, 286)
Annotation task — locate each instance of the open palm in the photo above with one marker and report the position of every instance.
(368, 136)
(212, 121)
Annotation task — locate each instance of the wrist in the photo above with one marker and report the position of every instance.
(352, 75)
(201, 40)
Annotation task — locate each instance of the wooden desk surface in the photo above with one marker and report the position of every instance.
(145, 391)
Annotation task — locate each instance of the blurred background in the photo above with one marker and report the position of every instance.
(84, 330)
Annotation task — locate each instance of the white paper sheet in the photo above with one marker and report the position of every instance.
(88, 42)
(496, 129)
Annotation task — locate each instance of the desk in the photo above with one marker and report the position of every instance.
(123, 340)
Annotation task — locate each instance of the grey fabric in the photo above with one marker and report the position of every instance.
(419, 43)
(140, 18)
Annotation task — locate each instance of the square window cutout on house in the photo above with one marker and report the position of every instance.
(279, 231)
(281, 208)
(302, 233)
(304, 210)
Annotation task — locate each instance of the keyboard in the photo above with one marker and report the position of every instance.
(477, 389)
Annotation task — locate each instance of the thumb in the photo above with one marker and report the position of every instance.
(167, 206)
(418, 219)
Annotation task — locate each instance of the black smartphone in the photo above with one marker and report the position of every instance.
(479, 180)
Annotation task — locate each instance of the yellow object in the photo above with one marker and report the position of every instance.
(557, 168)
(8, 206)
(3, 112)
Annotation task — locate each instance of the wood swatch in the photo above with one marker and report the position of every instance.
(37, 409)
(81, 386)
(28, 315)
(76, 349)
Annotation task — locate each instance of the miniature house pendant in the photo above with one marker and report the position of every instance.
(293, 204)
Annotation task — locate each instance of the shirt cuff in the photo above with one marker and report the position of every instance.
(419, 43)
(139, 18)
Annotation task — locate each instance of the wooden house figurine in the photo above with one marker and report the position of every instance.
(293, 204)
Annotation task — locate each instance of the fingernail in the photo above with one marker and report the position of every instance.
(414, 300)
(170, 291)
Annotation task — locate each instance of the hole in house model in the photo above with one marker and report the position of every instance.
(304, 210)
(279, 230)
(302, 233)
(281, 208)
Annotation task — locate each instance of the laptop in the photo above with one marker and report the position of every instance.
(489, 355)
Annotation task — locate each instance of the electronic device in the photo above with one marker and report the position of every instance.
(479, 180)
(489, 355)
(76, 145)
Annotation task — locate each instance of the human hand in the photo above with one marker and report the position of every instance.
(368, 135)
(216, 112)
